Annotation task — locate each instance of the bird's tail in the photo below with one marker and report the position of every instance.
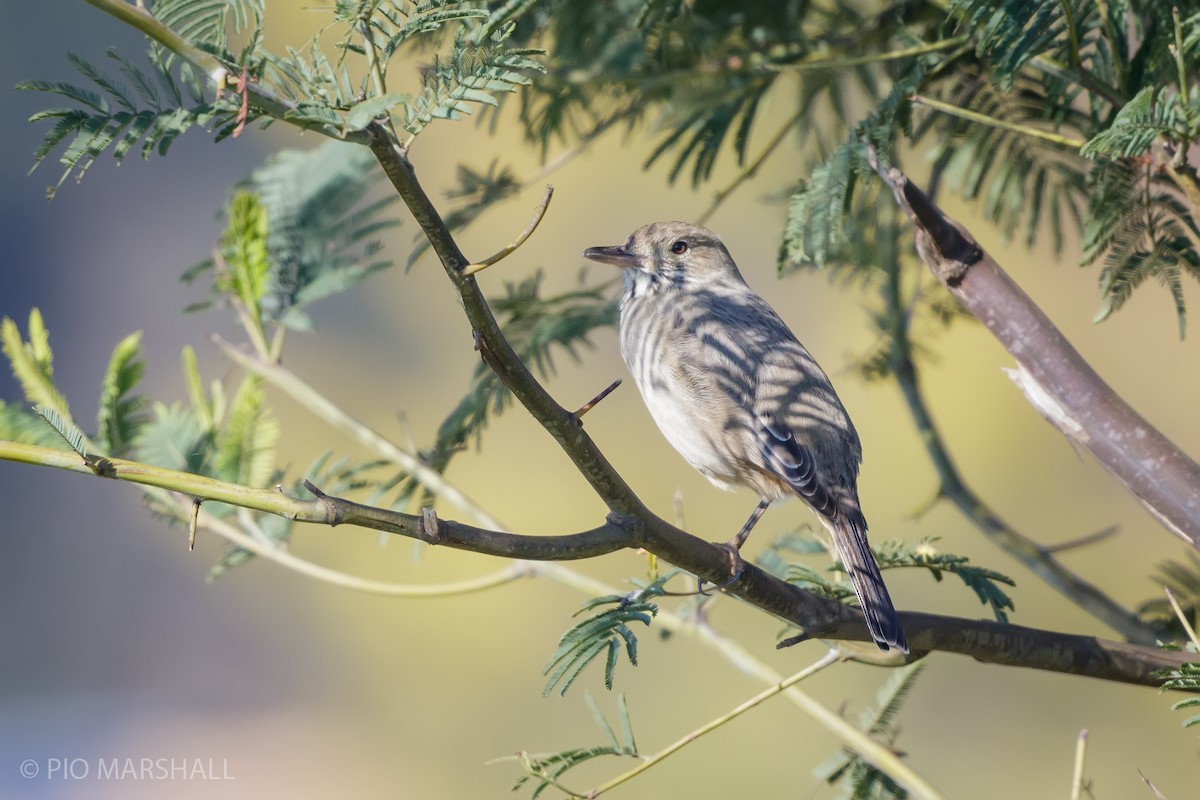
(849, 530)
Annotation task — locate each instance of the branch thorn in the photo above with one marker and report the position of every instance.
(590, 404)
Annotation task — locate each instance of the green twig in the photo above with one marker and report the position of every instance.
(1072, 34)
(831, 657)
(984, 119)
(824, 61)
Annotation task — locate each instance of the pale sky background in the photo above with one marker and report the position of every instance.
(114, 646)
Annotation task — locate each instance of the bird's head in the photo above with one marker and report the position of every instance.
(669, 254)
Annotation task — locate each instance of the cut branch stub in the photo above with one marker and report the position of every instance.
(1059, 383)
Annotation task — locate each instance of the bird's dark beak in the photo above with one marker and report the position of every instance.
(616, 255)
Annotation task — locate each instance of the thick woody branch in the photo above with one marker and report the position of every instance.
(1056, 379)
(1038, 559)
(990, 642)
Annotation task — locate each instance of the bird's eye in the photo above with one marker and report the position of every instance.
(679, 248)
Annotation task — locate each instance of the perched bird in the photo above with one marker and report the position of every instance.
(739, 397)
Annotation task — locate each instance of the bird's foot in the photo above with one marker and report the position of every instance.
(737, 564)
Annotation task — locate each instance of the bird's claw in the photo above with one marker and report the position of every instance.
(737, 565)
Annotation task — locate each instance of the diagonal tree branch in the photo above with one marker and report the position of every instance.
(1038, 559)
(1056, 379)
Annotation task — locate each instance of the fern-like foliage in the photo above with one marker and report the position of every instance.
(1008, 33)
(858, 779)
(895, 554)
(824, 213)
(1183, 579)
(1153, 113)
(151, 105)
(303, 227)
(120, 417)
(984, 582)
(32, 361)
(472, 73)
(70, 434)
(605, 632)
(545, 770)
(245, 446)
(149, 109)
(1144, 230)
(1022, 185)
(816, 215)
(1185, 678)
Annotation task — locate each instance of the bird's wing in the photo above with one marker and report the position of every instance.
(794, 462)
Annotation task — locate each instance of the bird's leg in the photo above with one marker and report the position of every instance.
(734, 545)
(739, 540)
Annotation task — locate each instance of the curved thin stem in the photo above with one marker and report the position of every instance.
(831, 657)
(984, 119)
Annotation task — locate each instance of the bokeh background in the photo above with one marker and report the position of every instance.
(112, 644)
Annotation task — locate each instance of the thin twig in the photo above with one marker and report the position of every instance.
(1082, 541)
(984, 119)
(296, 388)
(1183, 620)
(508, 249)
(196, 501)
(590, 404)
(283, 558)
(1011, 645)
(831, 657)
(823, 61)
(1078, 784)
(266, 101)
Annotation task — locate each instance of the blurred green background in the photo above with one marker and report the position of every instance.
(114, 646)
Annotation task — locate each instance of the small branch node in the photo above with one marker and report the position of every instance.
(507, 250)
(430, 526)
(626, 522)
(101, 466)
(333, 514)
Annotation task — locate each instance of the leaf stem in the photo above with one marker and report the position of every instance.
(831, 62)
(975, 116)
(831, 657)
